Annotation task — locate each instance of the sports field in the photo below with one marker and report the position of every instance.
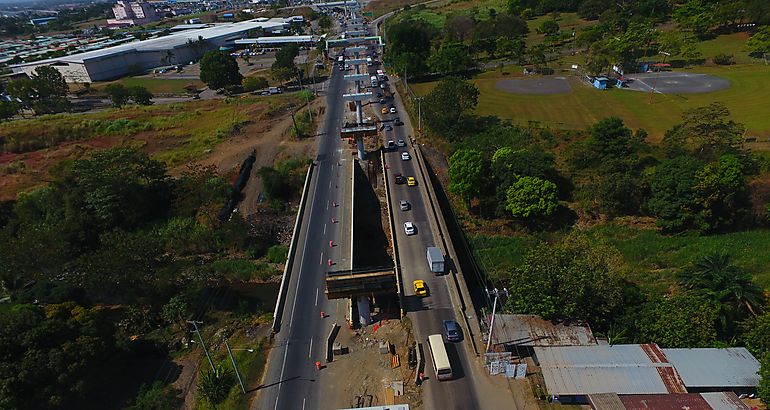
(746, 97)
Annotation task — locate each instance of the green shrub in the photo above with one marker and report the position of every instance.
(277, 253)
(724, 59)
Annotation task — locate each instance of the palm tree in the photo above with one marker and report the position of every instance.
(715, 276)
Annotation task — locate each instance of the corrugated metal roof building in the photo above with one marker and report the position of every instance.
(716, 369)
(531, 330)
(688, 401)
(573, 372)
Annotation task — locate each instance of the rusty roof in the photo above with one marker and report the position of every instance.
(531, 330)
(689, 401)
(622, 369)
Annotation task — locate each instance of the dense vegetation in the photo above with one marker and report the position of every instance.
(541, 188)
(112, 250)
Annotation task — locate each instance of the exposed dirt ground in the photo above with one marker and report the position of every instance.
(357, 380)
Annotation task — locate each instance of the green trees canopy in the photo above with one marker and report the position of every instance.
(45, 92)
(570, 279)
(763, 390)
(448, 104)
(679, 321)
(451, 57)
(707, 132)
(531, 197)
(754, 331)
(759, 43)
(720, 193)
(409, 46)
(219, 69)
(672, 194)
(468, 174)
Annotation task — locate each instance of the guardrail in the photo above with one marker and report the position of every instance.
(279, 304)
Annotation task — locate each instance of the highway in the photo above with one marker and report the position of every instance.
(291, 377)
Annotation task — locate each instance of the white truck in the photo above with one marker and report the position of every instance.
(435, 260)
(374, 80)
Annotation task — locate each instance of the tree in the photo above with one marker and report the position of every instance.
(532, 197)
(468, 172)
(284, 58)
(140, 95)
(681, 320)
(176, 310)
(451, 57)
(571, 279)
(759, 43)
(325, 22)
(720, 193)
(219, 69)
(716, 278)
(458, 27)
(592, 9)
(215, 385)
(168, 57)
(446, 106)
(754, 331)
(672, 194)
(548, 27)
(8, 109)
(254, 83)
(763, 390)
(45, 92)
(695, 16)
(705, 131)
(514, 47)
(119, 95)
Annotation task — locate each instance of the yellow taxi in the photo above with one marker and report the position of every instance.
(419, 288)
(410, 181)
(384, 110)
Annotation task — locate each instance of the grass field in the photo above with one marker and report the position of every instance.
(155, 85)
(651, 260)
(746, 99)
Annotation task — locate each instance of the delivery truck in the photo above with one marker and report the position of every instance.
(435, 260)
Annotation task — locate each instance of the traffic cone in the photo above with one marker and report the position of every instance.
(318, 365)
(323, 315)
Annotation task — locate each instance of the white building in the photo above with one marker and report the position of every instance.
(118, 61)
(132, 13)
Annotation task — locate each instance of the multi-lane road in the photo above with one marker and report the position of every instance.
(290, 381)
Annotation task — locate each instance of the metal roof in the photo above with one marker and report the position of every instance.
(622, 369)
(732, 367)
(169, 42)
(531, 330)
(689, 401)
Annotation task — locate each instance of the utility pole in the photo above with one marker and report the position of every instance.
(235, 366)
(203, 345)
(497, 294)
(419, 114)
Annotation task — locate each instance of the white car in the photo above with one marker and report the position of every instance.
(401, 143)
(392, 110)
(405, 156)
(409, 228)
(404, 205)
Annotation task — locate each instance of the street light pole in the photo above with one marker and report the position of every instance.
(497, 294)
(235, 366)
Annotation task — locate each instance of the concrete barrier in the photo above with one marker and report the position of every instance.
(330, 342)
(290, 257)
(396, 260)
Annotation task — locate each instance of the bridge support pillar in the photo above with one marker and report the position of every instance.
(364, 312)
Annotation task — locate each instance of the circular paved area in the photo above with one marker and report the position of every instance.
(677, 83)
(539, 85)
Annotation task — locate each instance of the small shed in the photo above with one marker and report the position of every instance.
(710, 369)
(601, 83)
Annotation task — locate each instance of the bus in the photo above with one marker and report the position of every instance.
(441, 365)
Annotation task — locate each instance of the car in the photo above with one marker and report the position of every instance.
(398, 121)
(404, 205)
(405, 156)
(391, 144)
(452, 331)
(409, 228)
(388, 128)
(382, 101)
(392, 110)
(410, 181)
(379, 95)
(400, 179)
(265, 93)
(384, 110)
(419, 288)
(401, 143)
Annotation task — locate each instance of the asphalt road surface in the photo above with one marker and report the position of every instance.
(426, 313)
(291, 380)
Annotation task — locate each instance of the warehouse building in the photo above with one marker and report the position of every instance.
(688, 401)
(573, 374)
(119, 61)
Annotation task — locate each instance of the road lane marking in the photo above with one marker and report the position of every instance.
(330, 184)
(316, 296)
(321, 261)
(324, 229)
(327, 206)
(310, 351)
(303, 403)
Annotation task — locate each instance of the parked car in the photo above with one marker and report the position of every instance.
(419, 288)
(410, 181)
(388, 128)
(384, 110)
(409, 228)
(392, 110)
(405, 156)
(398, 121)
(452, 331)
(404, 205)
